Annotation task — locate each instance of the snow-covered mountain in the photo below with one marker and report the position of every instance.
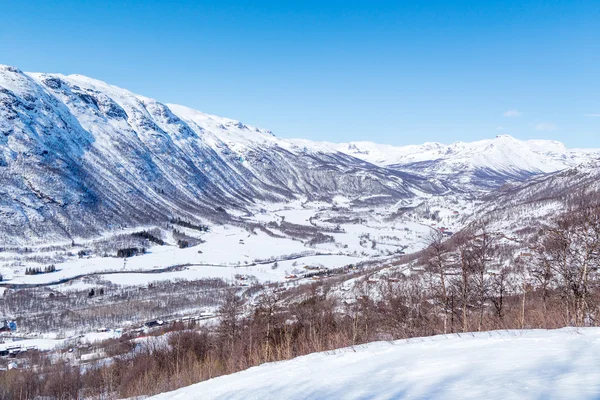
(78, 156)
(482, 164)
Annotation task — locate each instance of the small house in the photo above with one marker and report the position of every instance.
(153, 324)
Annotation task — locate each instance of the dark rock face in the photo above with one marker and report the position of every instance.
(52, 83)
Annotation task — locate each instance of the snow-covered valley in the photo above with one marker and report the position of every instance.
(85, 163)
(127, 223)
(264, 247)
(80, 158)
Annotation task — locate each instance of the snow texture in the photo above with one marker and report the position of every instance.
(534, 364)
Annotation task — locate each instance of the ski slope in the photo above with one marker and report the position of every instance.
(531, 364)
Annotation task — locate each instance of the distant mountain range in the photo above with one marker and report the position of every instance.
(79, 156)
(482, 164)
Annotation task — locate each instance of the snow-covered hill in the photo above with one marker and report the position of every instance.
(559, 364)
(482, 164)
(521, 209)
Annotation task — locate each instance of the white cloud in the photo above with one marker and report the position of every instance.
(544, 126)
(512, 113)
(592, 115)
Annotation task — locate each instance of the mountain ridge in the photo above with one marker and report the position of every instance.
(79, 156)
(483, 164)
(383, 154)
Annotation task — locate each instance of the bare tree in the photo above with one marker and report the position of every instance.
(500, 287)
(542, 274)
(483, 257)
(269, 305)
(438, 263)
(463, 282)
(230, 326)
(570, 252)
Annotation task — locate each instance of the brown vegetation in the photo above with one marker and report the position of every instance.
(464, 287)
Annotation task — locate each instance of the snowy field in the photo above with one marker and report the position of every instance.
(228, 250)
(533, 364)
(49, 344)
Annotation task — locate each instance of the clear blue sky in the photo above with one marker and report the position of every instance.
(395, 72)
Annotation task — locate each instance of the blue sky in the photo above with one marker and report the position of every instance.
(395, 72)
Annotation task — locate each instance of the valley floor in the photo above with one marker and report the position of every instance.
(530, 364)
(226, 250)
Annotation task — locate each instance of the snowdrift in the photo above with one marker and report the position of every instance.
(530, 364)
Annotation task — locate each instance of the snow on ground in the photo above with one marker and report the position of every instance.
(409, 234)
(76, 285)
(225, 246)
(94, 337)
(230, 250)
(533, 364)
(49, 342)
(264, 273)
(39, 344)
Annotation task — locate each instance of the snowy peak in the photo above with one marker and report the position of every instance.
(480, 152)
(501, 159)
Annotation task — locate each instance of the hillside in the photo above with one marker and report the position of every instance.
(299, 200)
(523, 208)
(534, 364)
(79, 157)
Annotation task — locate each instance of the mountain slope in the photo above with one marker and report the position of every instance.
(79, 156)
(524, 207)
(534, 364)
